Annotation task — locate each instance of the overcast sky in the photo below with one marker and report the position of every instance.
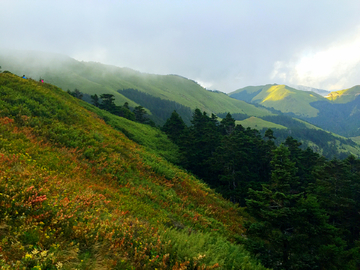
(223, 45)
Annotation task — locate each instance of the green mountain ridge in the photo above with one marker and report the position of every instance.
(95, 78)
(76, 193)
(344, 96)
(337, 112)
(280, 97)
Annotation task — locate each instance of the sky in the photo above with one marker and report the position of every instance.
(223, 45)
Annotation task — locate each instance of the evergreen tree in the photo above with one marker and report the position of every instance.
(203, 138)
(76, 93)
(306, 162)
(240, 161)
(227, 124)
(124, 111)
(291, 230)
(140, 116)
(174, 127)
(95, 100)
(337, 187)
(108, 103)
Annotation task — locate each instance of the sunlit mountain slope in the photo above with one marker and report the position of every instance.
(344, 96)
(280, 97)
(75, 193)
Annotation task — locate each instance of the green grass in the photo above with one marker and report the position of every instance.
(356, 139)
(257, 123)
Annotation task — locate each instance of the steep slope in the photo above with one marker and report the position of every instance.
(76, 193)
(344, 96)
(96, 78)
(338, 112)
(340, 118)
(280, 97)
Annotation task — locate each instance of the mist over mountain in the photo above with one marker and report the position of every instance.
(161, 94)
(311, 89)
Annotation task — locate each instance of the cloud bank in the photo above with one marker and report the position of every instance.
(224, 45)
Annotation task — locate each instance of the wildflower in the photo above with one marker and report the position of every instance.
(44, 253)
(59, 265)
(35, 251)
(28, 256)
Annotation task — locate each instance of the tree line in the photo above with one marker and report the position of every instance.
(107, 102)
(303, 208)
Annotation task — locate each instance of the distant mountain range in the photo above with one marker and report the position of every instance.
(287, 110)
(338, 111)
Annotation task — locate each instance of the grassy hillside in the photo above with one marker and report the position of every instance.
(356, 139)
(96, 78)
(257, 123)
(344, 96)
(75, 193)
(280, 97)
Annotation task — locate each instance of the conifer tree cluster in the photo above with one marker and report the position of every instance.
(304, 209)
(107, 102)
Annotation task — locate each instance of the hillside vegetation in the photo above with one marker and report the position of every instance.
(75, 193)
(95, 78)
(258, 123)
(338, 112)
(161, 94)
(297, 198)
(280, 97)
(344, 96)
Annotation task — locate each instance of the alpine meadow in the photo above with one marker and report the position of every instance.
(109, 168)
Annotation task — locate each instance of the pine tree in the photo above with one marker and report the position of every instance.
(108, 103)
(174, 127)
(95, 100)
(227, 124)
(76, 93)
(203, 139)
(124, 111)
(141, 116)
(291, 230)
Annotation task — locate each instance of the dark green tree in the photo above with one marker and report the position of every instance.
(174, 127)
(290, 230)
(141, 116)
(124, 111)
(241, 161)
(337, 188)
(76, 93)
(126, 105)
(202, 139)
(108, 103)
(227, 124)
(95, 100)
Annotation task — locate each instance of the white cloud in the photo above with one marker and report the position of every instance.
(330, 68)
(206, 85)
